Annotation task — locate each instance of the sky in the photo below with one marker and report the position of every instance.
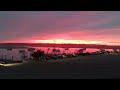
(66, 26)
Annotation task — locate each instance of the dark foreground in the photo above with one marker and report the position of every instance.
(82, 67)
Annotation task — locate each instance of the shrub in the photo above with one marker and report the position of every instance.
(38, 54)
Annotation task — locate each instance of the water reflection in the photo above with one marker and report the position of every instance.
(4, 53)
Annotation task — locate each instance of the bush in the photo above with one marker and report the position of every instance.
(38, 54)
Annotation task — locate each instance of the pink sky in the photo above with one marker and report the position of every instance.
(24, 26)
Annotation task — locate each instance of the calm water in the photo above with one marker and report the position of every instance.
(17, 56)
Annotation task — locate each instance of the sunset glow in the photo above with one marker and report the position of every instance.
(62, 41)
(78, 27)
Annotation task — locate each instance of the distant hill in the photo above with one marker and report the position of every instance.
(57, 45)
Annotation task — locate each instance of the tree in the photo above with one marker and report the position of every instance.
(66, 49)
(38, 54)
(48, 50)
